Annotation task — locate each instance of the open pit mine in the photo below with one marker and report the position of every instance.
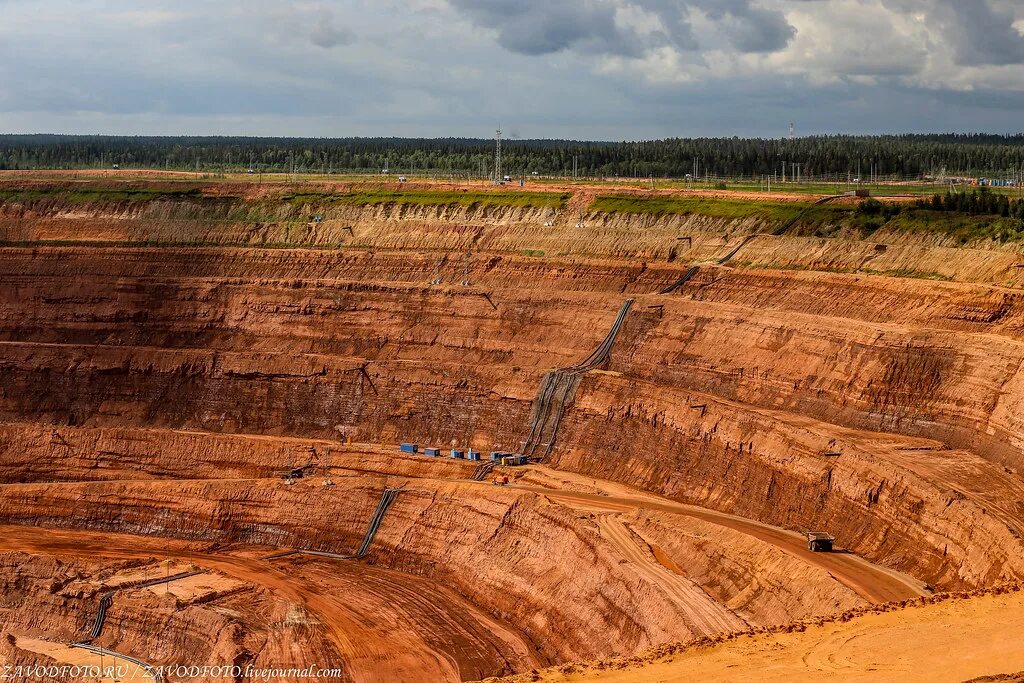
(442, 432)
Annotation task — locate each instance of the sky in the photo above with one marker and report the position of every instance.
(577, 69)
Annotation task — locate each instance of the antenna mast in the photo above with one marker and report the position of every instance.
(792, 134)
(497, 155)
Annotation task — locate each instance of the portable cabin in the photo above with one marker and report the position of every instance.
(432, 452)
(819, 541)
(496, 456)
(508, 460)
(409, 448)
(472, 455)
(457, 453)
(522, 459)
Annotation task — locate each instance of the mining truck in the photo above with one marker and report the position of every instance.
(819, 542)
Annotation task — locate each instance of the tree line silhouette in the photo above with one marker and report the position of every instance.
(836, 157)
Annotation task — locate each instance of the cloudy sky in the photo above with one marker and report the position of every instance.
(586, 69)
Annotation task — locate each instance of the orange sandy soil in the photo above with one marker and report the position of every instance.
(953, 639)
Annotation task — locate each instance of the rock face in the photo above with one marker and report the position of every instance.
(161, 391)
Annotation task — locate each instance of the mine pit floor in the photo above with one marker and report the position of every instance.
(957, 639)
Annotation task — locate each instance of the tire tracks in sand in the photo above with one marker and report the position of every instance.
(703, 616)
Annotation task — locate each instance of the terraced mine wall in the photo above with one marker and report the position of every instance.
(882, 407)
(457, 219)
(319, 347)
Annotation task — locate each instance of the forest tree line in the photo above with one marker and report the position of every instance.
(840, 156)
(977, 203)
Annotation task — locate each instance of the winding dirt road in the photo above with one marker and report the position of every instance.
(874, 583)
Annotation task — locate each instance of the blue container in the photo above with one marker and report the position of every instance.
(472, 455)
(409, 448)
(458, 454)
(522, 460)
(496, 456)
(432, 452)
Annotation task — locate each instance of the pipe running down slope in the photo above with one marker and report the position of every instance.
(482, 470)
(101, 615)
(692, 270)
(108, 598)
(559, 387)
(386, 500)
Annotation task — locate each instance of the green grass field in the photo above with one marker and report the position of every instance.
(962, 227)
(98, 194)
(77, 195)
(820, 220)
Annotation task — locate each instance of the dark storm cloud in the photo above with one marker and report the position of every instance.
(536, 27)
(751, 28)
(981, 32)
